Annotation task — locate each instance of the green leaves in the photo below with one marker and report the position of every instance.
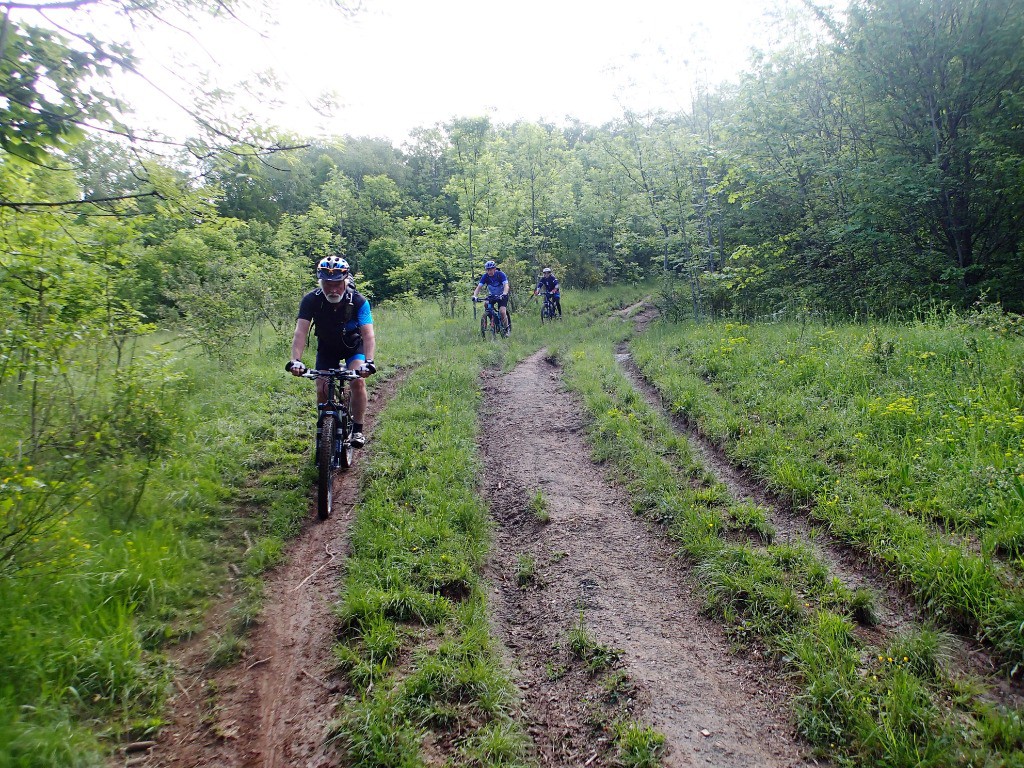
(46, 100)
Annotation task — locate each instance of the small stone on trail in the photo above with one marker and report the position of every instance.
(705, 732)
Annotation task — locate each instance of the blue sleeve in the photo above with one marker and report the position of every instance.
(365, 317)
(482, 279)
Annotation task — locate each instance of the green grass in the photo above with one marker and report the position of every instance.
(907, 441)
(638, 746)
(857, 704)
(417, 650)
(583, 647)
(539, 507)
(142, 532)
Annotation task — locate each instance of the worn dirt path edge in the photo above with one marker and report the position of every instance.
(270, 709)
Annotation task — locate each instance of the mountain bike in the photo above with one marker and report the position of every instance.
(490, 321)
(547, 309)
(333, 434)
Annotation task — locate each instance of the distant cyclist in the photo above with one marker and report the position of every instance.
(496, 283)
(344, 331)
(549, 284)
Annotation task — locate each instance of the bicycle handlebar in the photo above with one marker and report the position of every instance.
(346, 374)
(340, 373)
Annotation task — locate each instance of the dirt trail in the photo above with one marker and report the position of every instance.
(714, 708)
(895, 610)
(271, 709)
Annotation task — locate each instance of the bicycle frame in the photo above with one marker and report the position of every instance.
(493, 313)
(547, 310)
(491, 317)
(334, 413)
(335, 405)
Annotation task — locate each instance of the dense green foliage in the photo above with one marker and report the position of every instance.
(870, 172)
(864, 171)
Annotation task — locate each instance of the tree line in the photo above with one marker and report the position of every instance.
(861, 171)
(866, 170)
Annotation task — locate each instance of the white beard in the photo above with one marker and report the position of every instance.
(332, 299)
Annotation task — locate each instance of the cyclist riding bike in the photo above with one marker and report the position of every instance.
(496, 283)
(344, 330)
(549, 284)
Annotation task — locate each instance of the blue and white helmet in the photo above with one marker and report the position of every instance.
(490, 265)
(332, 268)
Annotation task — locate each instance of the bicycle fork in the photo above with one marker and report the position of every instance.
(339, 428)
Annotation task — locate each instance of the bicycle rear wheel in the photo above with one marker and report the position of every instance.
(325, 465)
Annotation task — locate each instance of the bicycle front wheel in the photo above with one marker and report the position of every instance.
(325, 465)
(483, 327)
(347, 454)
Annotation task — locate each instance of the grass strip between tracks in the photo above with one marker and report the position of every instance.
(417, 649)
(425, 682)
(857, 704)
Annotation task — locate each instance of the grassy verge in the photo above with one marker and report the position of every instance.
(417, 652)
(851, 422)
(858, 704)
(140, 538)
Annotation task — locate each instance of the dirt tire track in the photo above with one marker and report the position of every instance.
(850, 566)
(636, 597)
(271, 709)
(896, 610)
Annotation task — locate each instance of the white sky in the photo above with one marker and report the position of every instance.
(402, 64)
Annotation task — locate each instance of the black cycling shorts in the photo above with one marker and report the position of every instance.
(501, 301)
(327, 357)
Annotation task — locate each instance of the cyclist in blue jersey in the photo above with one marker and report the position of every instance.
(496, 283)
(344, 331)
(549, 284)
